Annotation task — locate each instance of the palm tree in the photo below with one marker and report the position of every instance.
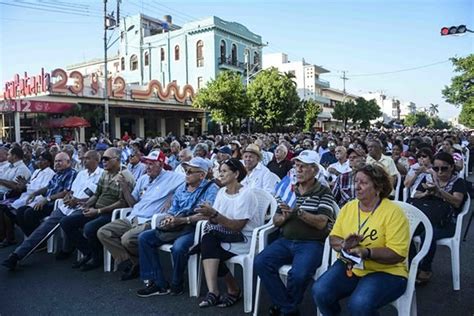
(433, 110)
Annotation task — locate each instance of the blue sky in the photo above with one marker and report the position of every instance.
(362, 37)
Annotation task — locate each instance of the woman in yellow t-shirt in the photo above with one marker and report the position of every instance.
(374, 231)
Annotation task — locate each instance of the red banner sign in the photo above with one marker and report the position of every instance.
(34, 106)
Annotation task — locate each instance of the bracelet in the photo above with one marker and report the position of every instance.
(188, 220)
(369, 253)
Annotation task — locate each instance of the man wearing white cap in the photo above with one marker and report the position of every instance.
(304, 228)
(149, 196)
(258, 176)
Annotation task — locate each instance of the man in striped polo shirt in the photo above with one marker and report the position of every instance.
(304, 230)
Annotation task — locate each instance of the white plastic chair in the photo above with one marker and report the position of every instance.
(398, 186)
(454, 244)
(193, 261)
(327, 260)
(265, 200)
(406, 194)
(119, 213)
(406, 304)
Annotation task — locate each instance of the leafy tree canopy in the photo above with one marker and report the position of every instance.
(461, 90)
(225, 98)
(273, 97)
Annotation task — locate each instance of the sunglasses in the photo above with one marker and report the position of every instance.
(189, 171)
(107, 158)
(232, 163)
(442, 169)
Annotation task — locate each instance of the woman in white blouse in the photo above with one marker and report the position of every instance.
(235, 211)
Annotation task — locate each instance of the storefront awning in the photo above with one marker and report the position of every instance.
(68, 122)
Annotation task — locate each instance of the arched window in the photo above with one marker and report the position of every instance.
(162, 54)
(223, 50)
(199, 54)
(256, 58)
(122, 63)
(234, 54)
(147, 59)
(176, 52)
(133, 62)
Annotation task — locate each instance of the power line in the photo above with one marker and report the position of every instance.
(400, 70)
(48, 10)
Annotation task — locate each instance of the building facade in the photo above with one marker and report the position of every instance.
(152, 80)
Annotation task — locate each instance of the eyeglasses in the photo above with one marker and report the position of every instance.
(105, 158)
(442, 169)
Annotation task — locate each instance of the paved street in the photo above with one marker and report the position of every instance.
(45, 287)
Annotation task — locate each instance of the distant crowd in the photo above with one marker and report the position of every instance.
(333, 185)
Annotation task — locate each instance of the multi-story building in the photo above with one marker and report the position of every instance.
(325, 119)
(390, 107)
(307, 78)
(152, 80)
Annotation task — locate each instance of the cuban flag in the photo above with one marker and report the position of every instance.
(285, 190)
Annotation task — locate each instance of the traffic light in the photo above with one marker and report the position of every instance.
(453, 30)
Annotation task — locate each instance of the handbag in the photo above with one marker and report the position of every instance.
(173, 233)
(223, 234)
(437, 210)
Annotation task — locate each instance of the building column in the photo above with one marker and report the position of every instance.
(141, 127)
(117, 133)
(17, 127)
(82, 135)
(163, 127)
(203, 125)
(181, 127)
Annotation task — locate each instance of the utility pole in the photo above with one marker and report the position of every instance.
(106, 88)
(344, 78)
(109, 23)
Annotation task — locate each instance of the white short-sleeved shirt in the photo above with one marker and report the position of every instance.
(242, 205)
(38, 180)
(83, 186)
(11, 171)
(260, 177)
(341, 167)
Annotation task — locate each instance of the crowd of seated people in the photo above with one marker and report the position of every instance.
(184, 180)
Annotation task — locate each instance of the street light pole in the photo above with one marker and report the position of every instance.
(106, 88)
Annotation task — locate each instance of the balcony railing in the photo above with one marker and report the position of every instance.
(321, 99)
(321, 83)
(229, 61)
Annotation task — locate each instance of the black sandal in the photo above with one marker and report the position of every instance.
(211, 299)
(228, 300)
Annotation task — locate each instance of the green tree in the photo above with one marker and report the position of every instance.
(365, 111)
(312, 110)
(274, 98)
(461, 90)
(225, 98)
(359, 112)
(344, 111)
(420, 119)
(437, 123)
(433, 109)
